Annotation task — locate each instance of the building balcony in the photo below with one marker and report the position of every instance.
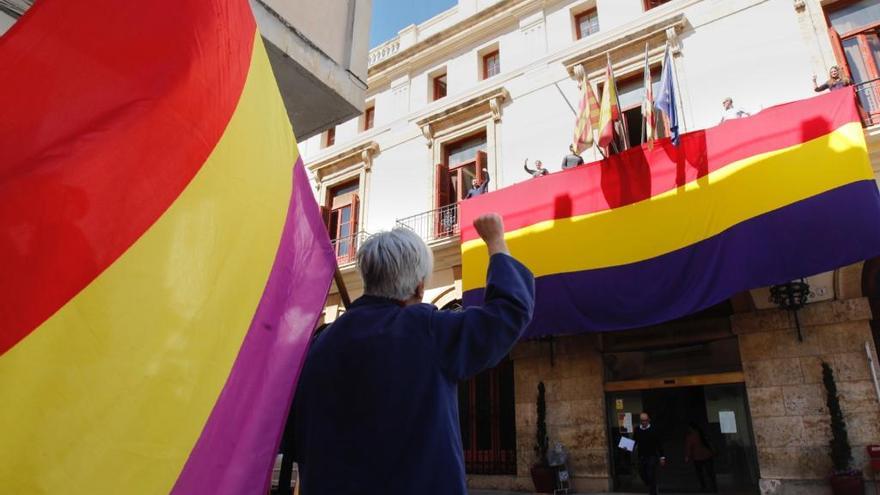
(346, 247)
(868, 94)
(434, 225)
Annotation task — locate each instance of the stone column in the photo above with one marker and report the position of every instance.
(575, 407)
(787, 398)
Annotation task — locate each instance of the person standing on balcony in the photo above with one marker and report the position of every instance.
(477, 188)
(539, 170)
(572, 159)
(730, 112)
(836, 80)
(376, 408)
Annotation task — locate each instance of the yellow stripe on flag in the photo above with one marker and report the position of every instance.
(683, 216)
(128, 371)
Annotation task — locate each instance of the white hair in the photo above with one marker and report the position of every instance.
(394, 263)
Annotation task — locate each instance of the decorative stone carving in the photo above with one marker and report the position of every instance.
(367, 155)
(672, 39)
(799, 5)
(428, 132)
(495, 106)
(578, 73)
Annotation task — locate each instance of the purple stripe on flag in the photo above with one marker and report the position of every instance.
(237, 447)
(818, 234)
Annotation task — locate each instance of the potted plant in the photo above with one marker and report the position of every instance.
(543, 476)
(844, 479)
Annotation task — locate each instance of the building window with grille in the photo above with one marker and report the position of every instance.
(488, 421)
(650, 4)
(369, 117)
(586, 23)
(341, 217)
(491, 64)
(439, 87)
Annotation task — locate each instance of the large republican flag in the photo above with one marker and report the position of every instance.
(163, 260)
(647, 236)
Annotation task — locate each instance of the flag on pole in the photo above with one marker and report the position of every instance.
(587, 119)
(666, 100)
(648, 105)
(609, 111)
(163, 259)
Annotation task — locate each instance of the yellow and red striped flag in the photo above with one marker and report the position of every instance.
(163, 259)
(609, 112)
(587, 119)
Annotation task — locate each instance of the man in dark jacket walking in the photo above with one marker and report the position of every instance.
(650, 452)
(376, 408)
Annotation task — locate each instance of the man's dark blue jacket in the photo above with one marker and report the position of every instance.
(376, 409)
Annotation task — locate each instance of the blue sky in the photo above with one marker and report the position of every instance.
(390, 16)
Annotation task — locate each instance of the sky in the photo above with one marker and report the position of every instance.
(390, 16)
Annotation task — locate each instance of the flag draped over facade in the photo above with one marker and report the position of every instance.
(164, 262)
(609, 111)
(587, 118)
(666, 100)
(648, 105)
(647, 236)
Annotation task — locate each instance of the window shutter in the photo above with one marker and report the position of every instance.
(442, 185)
(837, 46)
(482, 160)
(325, 216)
(355, 203)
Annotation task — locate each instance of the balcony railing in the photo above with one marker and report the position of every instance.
(440, 223)
(346, 247)
(868, 94)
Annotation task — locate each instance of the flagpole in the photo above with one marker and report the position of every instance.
(566, 99)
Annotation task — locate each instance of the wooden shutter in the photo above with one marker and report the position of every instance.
(325, 216)
(839, 54)
(441, 185)
(482, 160)
(355, 202)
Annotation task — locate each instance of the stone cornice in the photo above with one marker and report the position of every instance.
(360, 153)
(456, 35)
(492, 100)
(667, 28)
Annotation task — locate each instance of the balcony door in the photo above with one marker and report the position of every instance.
(464, 161)
(855, 34)
(341, 213)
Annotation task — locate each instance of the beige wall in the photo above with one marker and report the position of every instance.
(787, 397)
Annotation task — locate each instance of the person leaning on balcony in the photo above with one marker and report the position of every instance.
(376, 408)
(538, 171)
(572, 159)
(836, 80)
(730, 112)
(477, 188)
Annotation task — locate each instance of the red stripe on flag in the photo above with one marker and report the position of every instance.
(105, 106)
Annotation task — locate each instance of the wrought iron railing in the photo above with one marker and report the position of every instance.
(868, 94)
(439, 223)
(346, 247)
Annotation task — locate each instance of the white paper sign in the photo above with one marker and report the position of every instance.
(628, 422)
(627, 444)
(728, 421)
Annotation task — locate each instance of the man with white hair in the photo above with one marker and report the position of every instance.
(376, 408)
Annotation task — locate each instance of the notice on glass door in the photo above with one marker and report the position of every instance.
(728, 421)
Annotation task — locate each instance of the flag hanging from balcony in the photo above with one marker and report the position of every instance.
(648, 105)
(666, 99)
(587, 118)
(647, 236)
(163, 259)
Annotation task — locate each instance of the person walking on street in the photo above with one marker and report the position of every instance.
(650, 452)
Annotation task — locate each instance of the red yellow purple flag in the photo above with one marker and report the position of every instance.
(164, 262)
(647, 236)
